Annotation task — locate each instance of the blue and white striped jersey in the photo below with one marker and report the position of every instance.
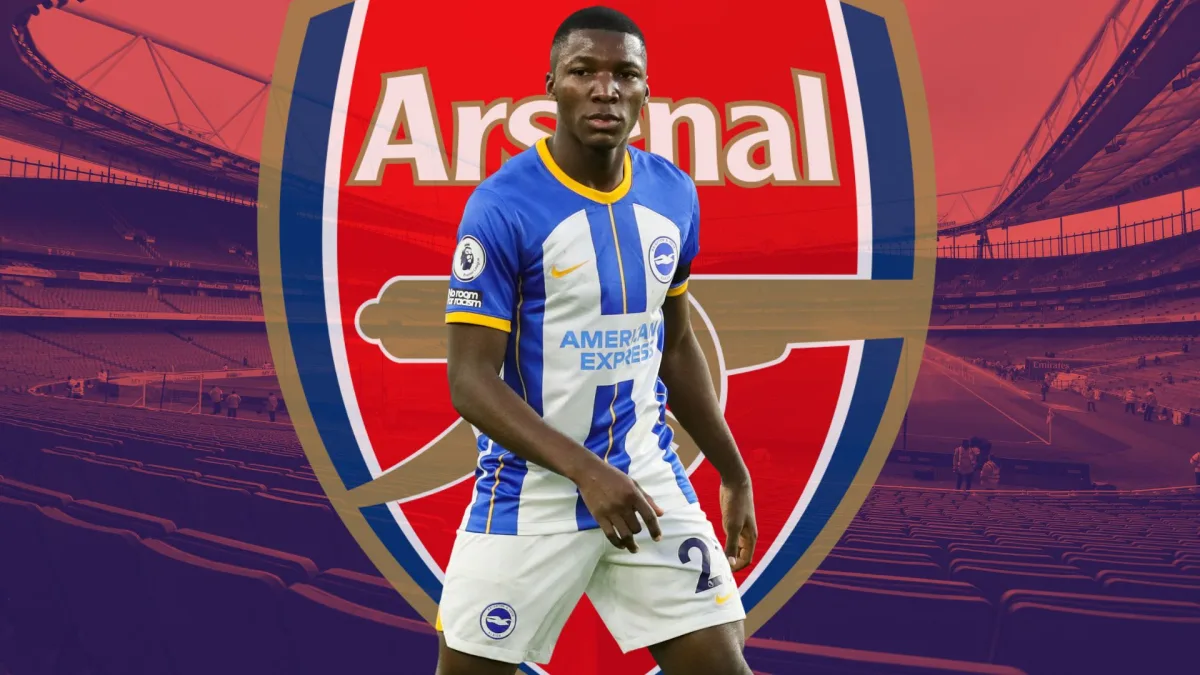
(577, 277)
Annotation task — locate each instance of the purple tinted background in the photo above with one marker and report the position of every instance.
(144, 530)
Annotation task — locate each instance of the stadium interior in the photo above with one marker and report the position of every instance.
(154, 536)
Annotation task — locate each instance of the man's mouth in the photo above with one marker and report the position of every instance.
(603, 120)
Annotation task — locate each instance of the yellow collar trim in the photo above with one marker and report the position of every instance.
(575, 186)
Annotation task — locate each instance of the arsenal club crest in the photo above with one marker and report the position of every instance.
(803, 125)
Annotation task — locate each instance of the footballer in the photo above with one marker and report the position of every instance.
(569, 331)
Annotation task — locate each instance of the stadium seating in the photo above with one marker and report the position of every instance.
(37, 213)
(209, 304)
(31, 355)
(1132, 310)
(366, 637)
(1013, 568)
(776, 656)
(128, 223)
(67, 297)
(147, 513)
(923, 581)
(124, 298)
(1023, 274)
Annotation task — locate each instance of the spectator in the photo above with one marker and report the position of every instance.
(1196, 466)
(272, 405)
(989, 475)
(1045, 387)
(232, 403)
(215, 395)
(1151, 402)
(1090, 395)
(964, 464)
(1130, 401)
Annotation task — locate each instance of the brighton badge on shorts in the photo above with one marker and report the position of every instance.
(498, 620)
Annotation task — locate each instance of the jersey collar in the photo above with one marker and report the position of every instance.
(580, 189)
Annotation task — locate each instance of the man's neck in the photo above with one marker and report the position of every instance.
(601, 170)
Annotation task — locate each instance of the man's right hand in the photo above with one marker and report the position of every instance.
(475, 359)
(615, 500)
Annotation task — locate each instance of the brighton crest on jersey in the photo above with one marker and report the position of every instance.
(577, 278)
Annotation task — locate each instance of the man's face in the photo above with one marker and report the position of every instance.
(599, 83)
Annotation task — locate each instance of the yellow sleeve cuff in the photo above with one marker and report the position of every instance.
(479, 320)
(678, 290)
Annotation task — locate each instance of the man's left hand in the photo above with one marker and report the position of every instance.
(741, 530)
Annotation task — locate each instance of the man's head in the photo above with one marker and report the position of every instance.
(598, 76)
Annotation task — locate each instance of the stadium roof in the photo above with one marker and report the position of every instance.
(41, 107)
(1134, 135)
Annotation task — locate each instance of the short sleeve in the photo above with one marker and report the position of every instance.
(485, 269)
(688, 249)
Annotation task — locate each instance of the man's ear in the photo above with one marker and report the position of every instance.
(550, 85)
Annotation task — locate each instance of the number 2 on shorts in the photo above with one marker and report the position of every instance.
(685, 555)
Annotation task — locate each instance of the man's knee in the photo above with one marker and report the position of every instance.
(709, 651)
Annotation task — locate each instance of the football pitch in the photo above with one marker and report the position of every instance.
(952, 402)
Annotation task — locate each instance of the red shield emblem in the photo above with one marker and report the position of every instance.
(803, 125)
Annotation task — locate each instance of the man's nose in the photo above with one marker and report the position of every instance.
(604, 86)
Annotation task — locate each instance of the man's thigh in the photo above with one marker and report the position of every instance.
(669, 588)
(506, 598)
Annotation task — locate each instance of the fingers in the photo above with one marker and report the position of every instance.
(649, 511)
(741, 536)
(632, 527)
(746, 543)
(621, 527)
(617, 516)
(618, 530)
(657, 509)
(733, 533)
(611, 532)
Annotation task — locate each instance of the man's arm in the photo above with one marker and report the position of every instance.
(476, 354)
(690, 392)
(684, 371)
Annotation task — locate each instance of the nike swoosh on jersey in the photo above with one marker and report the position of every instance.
(722, 599)
(558, 274)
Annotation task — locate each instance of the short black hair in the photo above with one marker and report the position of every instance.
(596, 17)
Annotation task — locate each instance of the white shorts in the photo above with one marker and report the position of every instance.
(507, 597)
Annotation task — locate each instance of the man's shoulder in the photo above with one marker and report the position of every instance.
(660, 171)
(663, 187)
(512, 181)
